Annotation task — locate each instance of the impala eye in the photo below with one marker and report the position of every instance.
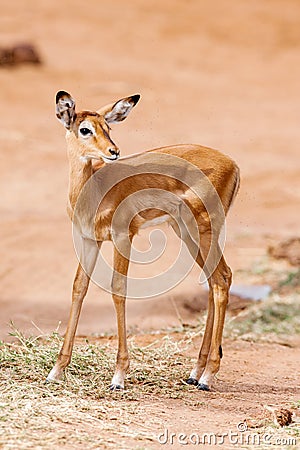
(85, 131)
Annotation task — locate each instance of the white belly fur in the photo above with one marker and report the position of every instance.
(156, 221)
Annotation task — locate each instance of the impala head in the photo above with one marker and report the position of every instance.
(90, 130)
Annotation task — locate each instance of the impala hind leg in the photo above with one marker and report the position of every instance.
(184, 234)
(119, 288)
(220, 282)
(206, 342)
(199, 367)
(80, 287)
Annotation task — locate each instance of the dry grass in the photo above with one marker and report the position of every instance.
(38, 415)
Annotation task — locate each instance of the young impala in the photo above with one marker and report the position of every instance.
(189, 186)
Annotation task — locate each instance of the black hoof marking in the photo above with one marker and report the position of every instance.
(192, 381)
(115, 387)
(203, 387)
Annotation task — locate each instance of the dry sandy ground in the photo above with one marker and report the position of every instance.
(220, 74)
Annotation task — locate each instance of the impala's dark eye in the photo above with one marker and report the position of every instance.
(85, 131)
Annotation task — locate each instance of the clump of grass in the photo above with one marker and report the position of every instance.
(89, 374)
(276, 315)
(37, 415)
(292, 279)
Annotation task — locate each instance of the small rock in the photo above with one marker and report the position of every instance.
(282, 417)
(19, 54)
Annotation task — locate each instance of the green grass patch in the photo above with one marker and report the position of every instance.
(276, 315)
(291, 279)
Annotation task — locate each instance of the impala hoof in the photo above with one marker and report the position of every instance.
(192, 381)
(54, 376)
(203, 387)
(53, 380)
(116, 387)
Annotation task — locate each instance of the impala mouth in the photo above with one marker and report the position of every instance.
(109, 159)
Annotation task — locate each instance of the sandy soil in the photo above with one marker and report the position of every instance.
(238, 399)
(209, 73)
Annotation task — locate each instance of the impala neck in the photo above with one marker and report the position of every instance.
(79, 172)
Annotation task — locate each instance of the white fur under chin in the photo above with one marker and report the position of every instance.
(85, 159)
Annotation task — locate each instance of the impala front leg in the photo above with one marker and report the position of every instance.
(119, 288)
(80, 286)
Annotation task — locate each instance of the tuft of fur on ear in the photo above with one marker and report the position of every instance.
(65, 108)
(116, 112)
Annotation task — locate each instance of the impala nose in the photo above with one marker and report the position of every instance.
(114, 152)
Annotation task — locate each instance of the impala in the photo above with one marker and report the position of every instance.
(189, 186)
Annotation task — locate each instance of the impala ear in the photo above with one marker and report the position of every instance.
(65, 108)
(116, 112)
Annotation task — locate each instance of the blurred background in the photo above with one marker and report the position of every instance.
(224, 74)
